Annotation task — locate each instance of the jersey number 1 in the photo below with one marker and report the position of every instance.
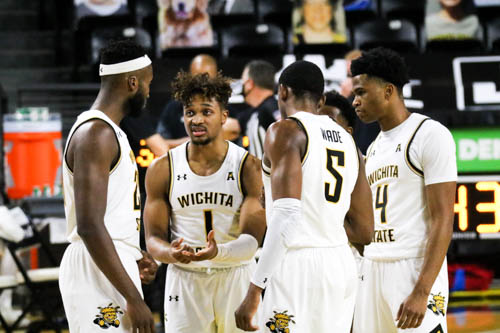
(208, 220)
(340, 157)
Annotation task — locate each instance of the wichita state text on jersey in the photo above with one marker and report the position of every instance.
(204, 203)
(399, 163)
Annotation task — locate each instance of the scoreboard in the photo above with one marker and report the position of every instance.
(477, 208)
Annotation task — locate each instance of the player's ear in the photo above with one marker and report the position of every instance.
(132, 83)
(388, 91)
(321, 102)
(283, 92)
(224, 114)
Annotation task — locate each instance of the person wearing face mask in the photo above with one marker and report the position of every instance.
(258, 91)
(455, 20)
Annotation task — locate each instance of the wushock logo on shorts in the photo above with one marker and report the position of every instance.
(280, 322)
(108, 316)
(437, 304)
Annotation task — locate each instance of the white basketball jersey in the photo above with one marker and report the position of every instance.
(123, 202)
(395, 166)
(203, 203)
(329, 172)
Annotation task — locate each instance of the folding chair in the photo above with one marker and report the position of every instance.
(6, 282)
(41, 282)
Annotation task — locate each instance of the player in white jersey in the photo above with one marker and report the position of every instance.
(412, 172)
(102, 268)
(313, 183)
(205, 193)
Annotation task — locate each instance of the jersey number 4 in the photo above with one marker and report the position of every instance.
(381, 201)
(340, 158)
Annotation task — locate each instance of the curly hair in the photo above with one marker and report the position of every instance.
(384, 64)
(333, 98)
(186, 85)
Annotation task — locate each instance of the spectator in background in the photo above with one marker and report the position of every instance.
(258, 90)
(340, 110)
(171, 123)
(318, 21)
(346, 85)
(455, 20)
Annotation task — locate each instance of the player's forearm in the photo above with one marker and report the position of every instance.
(103, 252)
(159, 250)
(253, 218)
(359, 233)
(437, 246)
(241, 249)
(286, 215)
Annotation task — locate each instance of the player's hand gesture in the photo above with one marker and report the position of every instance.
(248, 308)
(210, 251)
(141, 318)
(147, 268)
(412, 310)
(181, 252)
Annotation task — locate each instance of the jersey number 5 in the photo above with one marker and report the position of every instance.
(340, 157)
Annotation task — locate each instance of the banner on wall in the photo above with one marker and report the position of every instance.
(478, 149)
(477, 83)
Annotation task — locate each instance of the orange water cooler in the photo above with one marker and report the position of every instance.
(32, 147)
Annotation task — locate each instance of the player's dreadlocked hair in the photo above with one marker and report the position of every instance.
(120, 51)
(384, 64)
(186, 85)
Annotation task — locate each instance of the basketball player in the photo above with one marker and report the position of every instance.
(412, 172)
(339, 109)
(313, 180)
(209, 190)
(100, 273)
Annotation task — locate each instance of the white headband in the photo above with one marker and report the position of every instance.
(124, 67)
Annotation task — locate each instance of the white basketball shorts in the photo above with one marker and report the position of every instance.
(384, 285)
(204, 301)
(91, 302)
(312, 290)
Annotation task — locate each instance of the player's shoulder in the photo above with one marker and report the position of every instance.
(284, 128)
(95, 131)
(429, 128)
(160, 165)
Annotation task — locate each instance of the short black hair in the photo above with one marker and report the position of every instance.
(186, 86)
(262, 73)
(121, 50)
(384, 64)
(333, 98)
(305, 79)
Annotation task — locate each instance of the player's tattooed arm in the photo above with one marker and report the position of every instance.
(157, 213)
(359, 223)
(440, 199)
